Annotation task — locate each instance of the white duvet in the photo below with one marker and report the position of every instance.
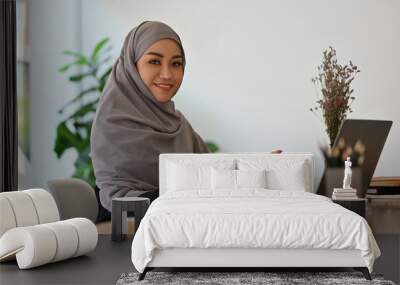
(250, 219)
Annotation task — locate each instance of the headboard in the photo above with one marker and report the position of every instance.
(167, 158)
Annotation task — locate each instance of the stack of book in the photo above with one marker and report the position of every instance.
(344, 194)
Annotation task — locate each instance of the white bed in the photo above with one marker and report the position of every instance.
(201, 220)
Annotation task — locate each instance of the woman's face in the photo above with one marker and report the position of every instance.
(161, 69)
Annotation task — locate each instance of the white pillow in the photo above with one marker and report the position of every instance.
(190, 174)
(292, 178)
(223, 179)
(251, 178)
(237, 179)
(182, 177)
(282, 173)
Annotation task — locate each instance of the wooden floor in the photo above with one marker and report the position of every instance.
(104, 228)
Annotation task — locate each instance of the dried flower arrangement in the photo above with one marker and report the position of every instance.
(333, 82)
(335, 157)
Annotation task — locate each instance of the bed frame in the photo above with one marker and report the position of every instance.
(242, 259)
(245, 258)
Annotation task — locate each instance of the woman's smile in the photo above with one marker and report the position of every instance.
(164, 86)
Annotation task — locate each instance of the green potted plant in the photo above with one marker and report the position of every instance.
(74, 130)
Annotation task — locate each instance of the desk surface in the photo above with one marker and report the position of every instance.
(102, 266)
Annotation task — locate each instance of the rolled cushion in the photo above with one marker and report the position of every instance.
(45, 243)
(26, 208)
(23, 208)
(7, 220)
(87, 235)
(45, 205)
(67, 240)
(33, 246)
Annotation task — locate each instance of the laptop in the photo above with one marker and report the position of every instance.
(373, 135)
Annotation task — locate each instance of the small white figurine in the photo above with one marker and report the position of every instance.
(347, 174)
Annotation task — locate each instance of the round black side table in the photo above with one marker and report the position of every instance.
(120, 207)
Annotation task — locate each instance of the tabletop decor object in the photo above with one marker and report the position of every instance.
(334, 92)
(347, 192)
(335, 162)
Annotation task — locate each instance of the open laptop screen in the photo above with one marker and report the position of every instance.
(372, 134)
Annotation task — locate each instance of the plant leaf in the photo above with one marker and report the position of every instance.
(81, 58)
(79, 96)
(104, 76)
(85, 109)
(65, 139)
(79, 61)
(64, 67)
(103, 79)
(84, 168)
(74, 53)
(98, 48)
(86, 127)
(79, 77)
(212, 147)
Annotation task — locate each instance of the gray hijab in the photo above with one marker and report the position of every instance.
(131, 128)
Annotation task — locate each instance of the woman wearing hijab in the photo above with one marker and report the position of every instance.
(136, 119)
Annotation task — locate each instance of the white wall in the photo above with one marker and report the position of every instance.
(54, 27)
(248, 82)
(250, 63)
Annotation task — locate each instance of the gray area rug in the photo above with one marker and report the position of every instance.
(228, 278)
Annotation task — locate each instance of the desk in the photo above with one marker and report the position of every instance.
(102, 266)
(383, 216)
